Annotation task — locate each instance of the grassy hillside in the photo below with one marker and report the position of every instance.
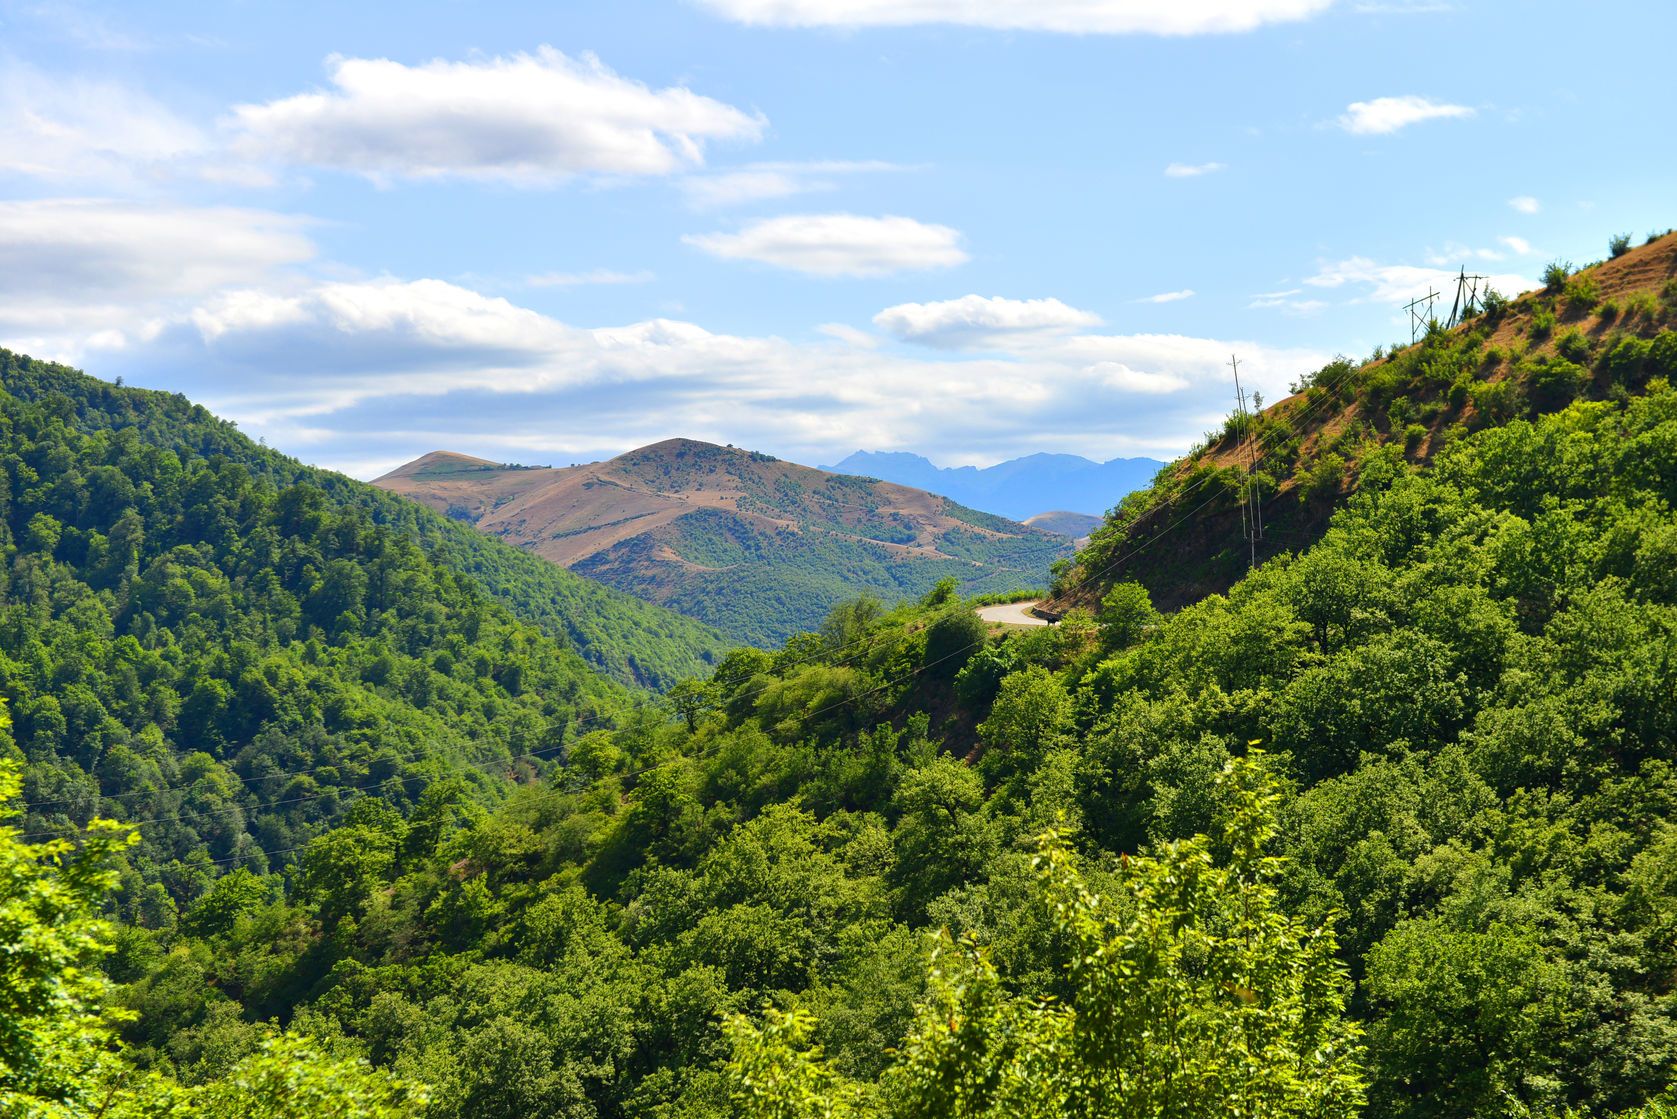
(757, 547)
(1596, 333)
(635, 643)
(1465, 688)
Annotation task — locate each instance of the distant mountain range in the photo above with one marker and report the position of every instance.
(759, 547)
(1019, 488)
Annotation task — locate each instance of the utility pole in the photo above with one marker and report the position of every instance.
(1467, 297)
(1251, 504)
(1419, 320)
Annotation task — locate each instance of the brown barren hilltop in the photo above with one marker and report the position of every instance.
(1585, 334)
(703, 528)
(1078, 526)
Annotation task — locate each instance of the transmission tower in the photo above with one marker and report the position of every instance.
(1468, 296)
(1420, 313)
(1251, 504)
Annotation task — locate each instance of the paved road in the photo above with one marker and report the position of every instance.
(1013, 614)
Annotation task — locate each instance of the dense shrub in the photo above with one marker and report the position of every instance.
(1573, 345)
(1554, 380)
(1625, 360)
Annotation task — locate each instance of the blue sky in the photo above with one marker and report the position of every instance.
(969, 228)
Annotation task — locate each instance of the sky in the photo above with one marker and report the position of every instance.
(971, 229)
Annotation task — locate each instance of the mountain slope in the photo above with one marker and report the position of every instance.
(1465, 686)
(1077, 526)
(231, 660)
(1019, 488)
(757, 547)
(1598, 333)
(630, 640)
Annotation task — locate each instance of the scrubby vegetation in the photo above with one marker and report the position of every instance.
(1385, 829)
(1463, 690)
(1522, 357)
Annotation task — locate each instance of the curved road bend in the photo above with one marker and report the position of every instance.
(1012, 614)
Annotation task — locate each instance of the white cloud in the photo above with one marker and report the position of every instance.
(64, 127)
(1525, 204)
(976, 320)
(1120, 376)
(1168, 296)
(73, 267)
(377, 371)
(849, 335)
(760, 182)
(1078, 17)
(599, 276)
(530, 119)
(839, 244)
(1192, 170)
(1518, 245)
(1388, 114)
(1286, 302)
(1399, 283)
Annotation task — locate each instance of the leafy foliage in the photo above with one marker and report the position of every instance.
(188, 644)
(628, 639)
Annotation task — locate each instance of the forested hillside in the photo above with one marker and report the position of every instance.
(1598, 332)
(623, 636)
(1464, 692)
(214, 644)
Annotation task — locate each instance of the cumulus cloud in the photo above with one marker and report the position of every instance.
(839, 244)
(761, 182)
(1168, 296)
(366, 374)
(1077, 17)
(72, 266)
(1525, 204)
(974, 320)
(529, 119)
(1192, 170)
(1388, 114)
(1518, 245)
(64, 127)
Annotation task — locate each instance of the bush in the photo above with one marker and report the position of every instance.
(951, 641)
(1662, 354)
(1609, 310)
(1555, 274)
(1582, 295)
(1624, 361)
(1413, 436)
(1572, 345)
(1644, 304)
(1618, 246)
(1542, 322)
(1554, 380)
(1496, 401)
(1322, 478)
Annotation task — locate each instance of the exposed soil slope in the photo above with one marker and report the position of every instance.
(758, 546)
(1588, 336)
